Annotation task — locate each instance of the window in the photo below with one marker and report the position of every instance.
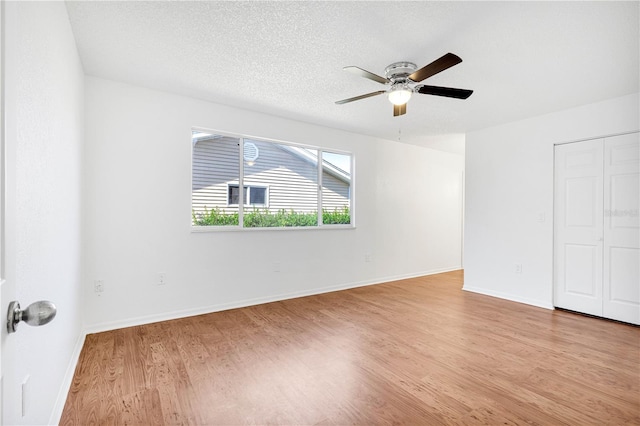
(215, 161)
(336, 190)
(257, 195)
(280, 184)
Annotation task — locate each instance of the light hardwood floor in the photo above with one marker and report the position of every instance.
(417, 351)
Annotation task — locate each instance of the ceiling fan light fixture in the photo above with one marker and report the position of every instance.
(399, 94)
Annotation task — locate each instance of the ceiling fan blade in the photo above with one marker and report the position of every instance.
(357, 98)
(399, 110)
(448, 92)
(441, 64)
(366, 74)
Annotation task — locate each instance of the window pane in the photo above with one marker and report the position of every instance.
(234, 194)
(258, 196)
(336, 188)
(283, 185)
(215, 164)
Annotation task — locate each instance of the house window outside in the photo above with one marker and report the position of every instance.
(282, 185)
(257, 195)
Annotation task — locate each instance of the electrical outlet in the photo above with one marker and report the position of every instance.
(162, 278)
(276, 266)
(98, 286)
(367, 258)
(518, 268)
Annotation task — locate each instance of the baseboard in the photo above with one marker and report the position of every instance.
(58, 407)
(511, 297)
(166, 316)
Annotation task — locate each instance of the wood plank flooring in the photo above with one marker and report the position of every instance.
(417, 351)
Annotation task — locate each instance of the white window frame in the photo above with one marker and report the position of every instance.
(242, 138)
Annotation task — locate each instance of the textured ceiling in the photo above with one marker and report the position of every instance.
(522, 59)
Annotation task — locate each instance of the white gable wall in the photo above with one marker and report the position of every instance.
(509, 187)
(137, 213)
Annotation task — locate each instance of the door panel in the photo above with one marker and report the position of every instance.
(625, 278)
(581, 281)
(580, 202)
(578, 226)
(621, 280)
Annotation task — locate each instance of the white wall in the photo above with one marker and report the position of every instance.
(509, 185)
(44, 105)
(137, 213)
(452, 142)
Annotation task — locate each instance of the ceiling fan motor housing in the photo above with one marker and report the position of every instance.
(400, 71)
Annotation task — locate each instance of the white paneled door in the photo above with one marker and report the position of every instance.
(621, 268)
(578, 226)
(597, 256)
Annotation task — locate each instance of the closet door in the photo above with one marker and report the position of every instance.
(578, 221)
(621, 269)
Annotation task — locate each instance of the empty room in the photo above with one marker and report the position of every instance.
(319, 212)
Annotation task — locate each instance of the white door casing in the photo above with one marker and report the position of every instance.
(578, 226)
(621, 268)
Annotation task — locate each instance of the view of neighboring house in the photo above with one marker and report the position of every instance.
(276, 176)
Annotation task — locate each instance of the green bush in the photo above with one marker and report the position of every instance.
(214, 218)
(282, 218)
(265, 219)
(336, 217)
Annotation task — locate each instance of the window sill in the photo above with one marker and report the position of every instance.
(208, 229)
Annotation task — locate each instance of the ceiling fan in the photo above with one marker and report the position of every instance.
(401, 77)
